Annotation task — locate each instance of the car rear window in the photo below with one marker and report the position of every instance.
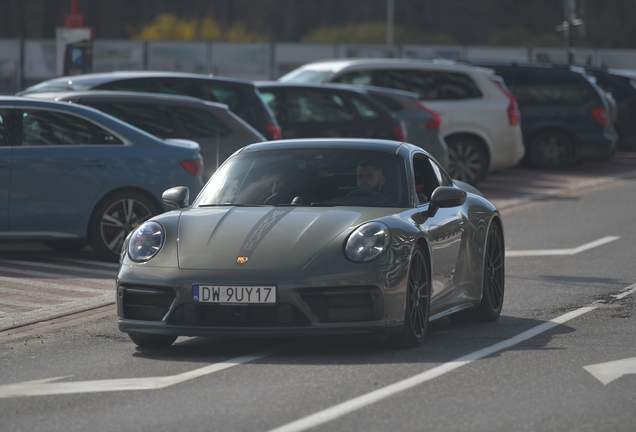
(152, 118)
(309, 105)
(429, 85)
(198, 123)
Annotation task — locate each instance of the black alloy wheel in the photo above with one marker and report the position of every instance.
(145, 340)
(494, 277)
(418, 302)
(114, 218)
(467, 159)
(550, 149)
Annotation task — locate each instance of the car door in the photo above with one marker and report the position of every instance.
(60, 165)
(5, 167)
(445, 231)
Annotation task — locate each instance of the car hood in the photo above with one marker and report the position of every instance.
(263, 237)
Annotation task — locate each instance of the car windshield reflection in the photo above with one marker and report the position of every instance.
(308, 177)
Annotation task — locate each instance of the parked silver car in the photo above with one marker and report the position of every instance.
(218, 130)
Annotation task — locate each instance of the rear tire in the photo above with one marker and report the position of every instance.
(152, 340)
(467, 159)
(550, 149)
(116, 216)
(417, 307)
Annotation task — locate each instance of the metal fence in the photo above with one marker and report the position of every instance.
(24, 62)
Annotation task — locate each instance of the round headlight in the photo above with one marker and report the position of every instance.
(146, 242)
(367, 242)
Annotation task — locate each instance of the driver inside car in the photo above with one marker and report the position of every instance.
(370, 175)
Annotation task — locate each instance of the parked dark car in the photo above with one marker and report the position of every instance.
(330, 111)
(621, 85)
(240, 95)
(565, 116)
(70, 174)
(422, 123)
(218, 130)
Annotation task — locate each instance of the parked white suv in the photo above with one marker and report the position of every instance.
(480, 118)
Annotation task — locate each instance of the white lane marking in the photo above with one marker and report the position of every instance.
(359, 402)
(57, 276)
(46, 387)
(110, 273)
(610, 371)
(627, 291)
(553, 252)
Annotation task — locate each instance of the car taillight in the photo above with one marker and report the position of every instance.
(194, 167)
(601, 115)
(400, 132)
(514, 116)
(433, 123)
(275, 131)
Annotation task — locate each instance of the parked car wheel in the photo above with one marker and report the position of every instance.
(467, 159)
(65, 245)
(418, 302)
(116, 216)
(152, 340)
(550, 149)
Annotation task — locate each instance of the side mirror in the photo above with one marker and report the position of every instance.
(446, 197)
(178, 197)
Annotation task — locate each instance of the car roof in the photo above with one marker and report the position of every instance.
(339, 86)
(125, 96)
(94, 79)
(337, 65)
(331, 143)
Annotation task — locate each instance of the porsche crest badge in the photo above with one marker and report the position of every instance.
(241, 260)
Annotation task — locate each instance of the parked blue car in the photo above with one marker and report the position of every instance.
(70, 174)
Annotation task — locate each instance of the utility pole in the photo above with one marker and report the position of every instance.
(570, 23)
(389, 21)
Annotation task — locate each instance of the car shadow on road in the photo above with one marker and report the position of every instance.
(445, 342)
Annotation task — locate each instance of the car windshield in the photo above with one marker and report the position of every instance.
(306, 76)
(308, 177)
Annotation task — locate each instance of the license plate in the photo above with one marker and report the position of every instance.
(234, 294)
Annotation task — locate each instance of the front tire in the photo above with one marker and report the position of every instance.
(418, 302)
(152, 340)
(116, 216)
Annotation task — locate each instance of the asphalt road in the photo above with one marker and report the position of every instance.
(548, 364)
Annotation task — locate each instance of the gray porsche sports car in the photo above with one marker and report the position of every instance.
(309, 237)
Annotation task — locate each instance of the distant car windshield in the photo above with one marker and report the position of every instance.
(308, 177)
(306, 76)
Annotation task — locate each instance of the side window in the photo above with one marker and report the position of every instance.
(425, 177)
(198, 123)
(359, 78)
(309, 105)
(421, 82)
(454, 86)
(550, 86)
(184, 87)
(45, 128)
(275, 102)
(154, 119)
(364, 110)
(239, 99)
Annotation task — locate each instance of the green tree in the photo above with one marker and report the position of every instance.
(169, 27)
